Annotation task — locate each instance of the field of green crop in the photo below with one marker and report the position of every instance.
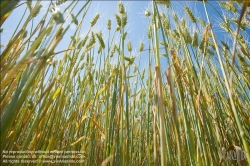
(195, 111)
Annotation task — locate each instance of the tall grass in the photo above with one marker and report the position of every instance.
(194, 112)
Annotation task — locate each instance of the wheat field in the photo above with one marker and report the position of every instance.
(116, 103)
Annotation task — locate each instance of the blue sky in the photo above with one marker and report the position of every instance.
(137, 25)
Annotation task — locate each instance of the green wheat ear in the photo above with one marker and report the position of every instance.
(187, 36)
(164, 2)
(118, 20)
(29, 4)
(35, 11)
(124, 35)
(175, 17)
(129, 47)
(190, 14)
(109, 24)
(225, 45)
(95, 19)
(60, 2)
(121, 8)
(113, 51)
(141, 47)
(195, 40)
(91, 41)
(100, 39)
(202, 22)
(166, 24)
(228, 6)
